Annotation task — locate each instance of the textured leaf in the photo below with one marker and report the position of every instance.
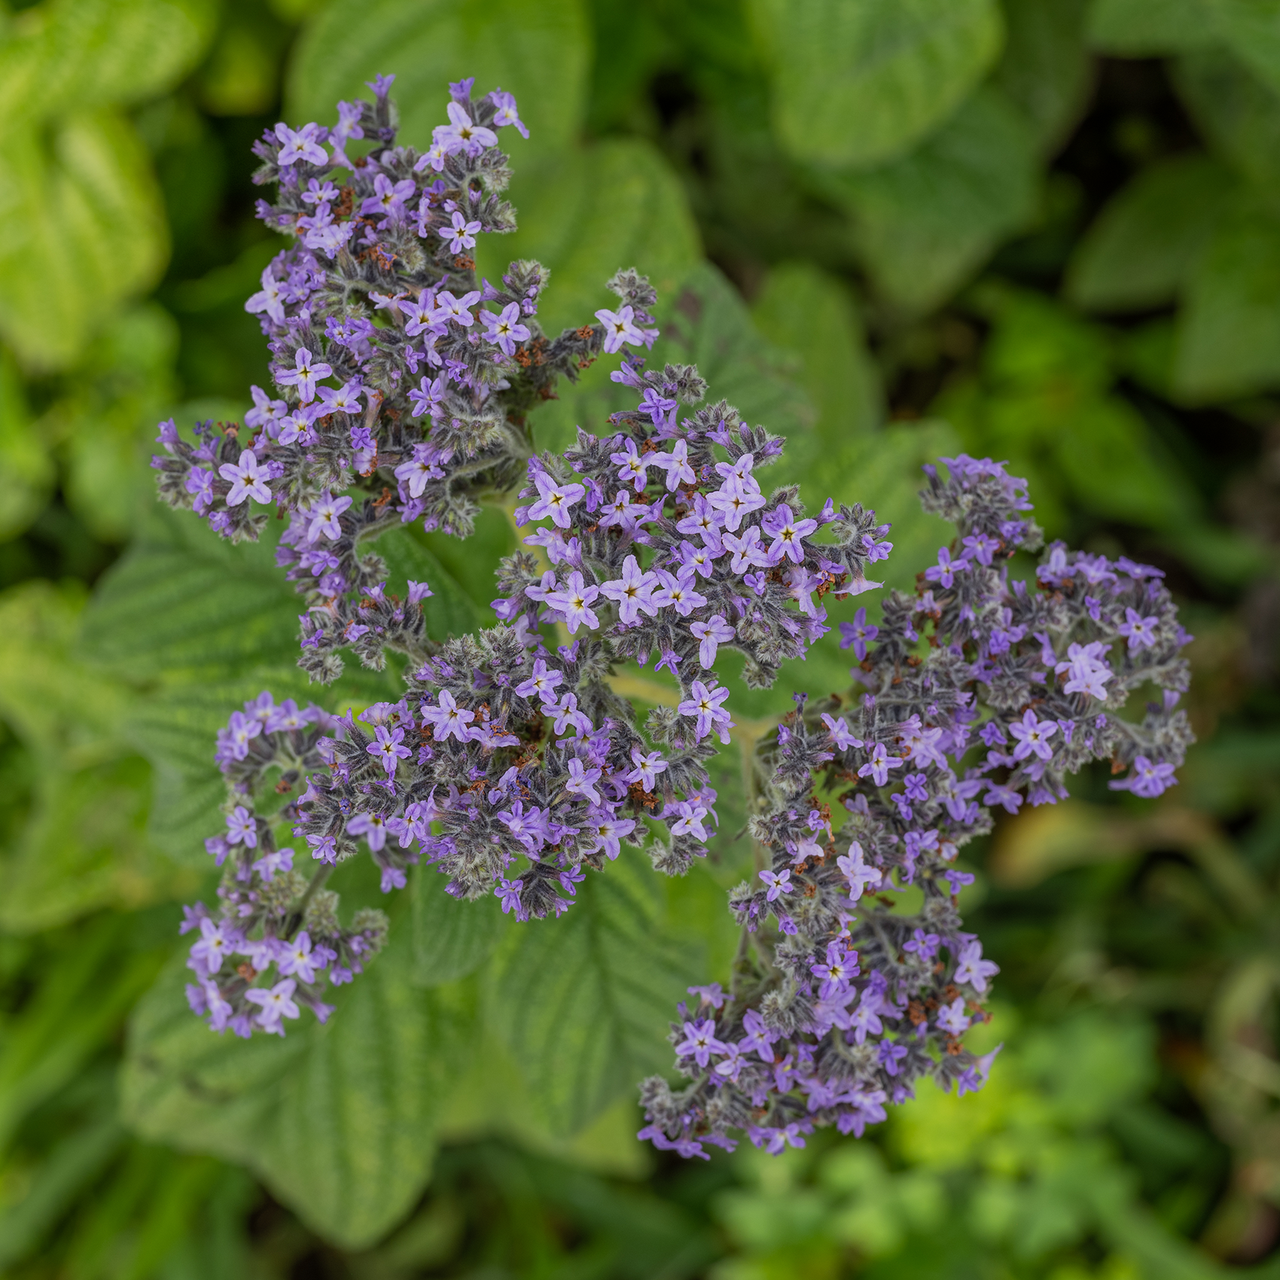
(925, 222)
(1143, 244)
(810, 314)
(450, 938)
(583, 1002)
(858, 82)
(450, 610)
(71, 53)
(588, 213)
(338, 1119)
(185, 603)
(1045, 69)
(1238, 115)
(1228, 337)
(1149, 28)
(81, 225)
(539, 52)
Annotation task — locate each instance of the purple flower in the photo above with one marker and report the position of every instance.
(620, 327)
(582, 781)
(388, 748)
(706, 705)
(1032, 736)
(388, 197)
(1139, 631)
(323, 516)
(504, 330)
(506, 113)
(447, 718)
(303, 375)
(509, 892)
(555, 500)
(249, 480)
(242, 827)
(879, 764)
(300, 145)
(943, 573)
(373, 826)
(700, 1041)
(274, 1003)
(463, 134)
(632, 592)
(787, 533)
(269, 299)
(972, 968)
(857, 633)
(777, 883)
(461, 235)
(1148, 779)
(647, 767)
(952, 1019)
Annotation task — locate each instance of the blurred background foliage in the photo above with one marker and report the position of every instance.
(1048, 230)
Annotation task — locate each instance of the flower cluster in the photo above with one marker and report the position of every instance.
(512, 765)
(402, 383)
(980, 691)
(283, 925)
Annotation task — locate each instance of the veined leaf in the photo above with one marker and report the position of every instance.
(337, 1119)
(1045, 69)
(582, 1001)
(859, 82)
(450, 938)
(588, 213)
(539, 52)
(1238, 114)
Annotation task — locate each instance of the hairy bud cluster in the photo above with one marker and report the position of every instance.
(513, 766)
(979, 691)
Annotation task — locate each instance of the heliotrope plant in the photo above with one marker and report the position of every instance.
(510, 765)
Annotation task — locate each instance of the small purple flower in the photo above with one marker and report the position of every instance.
(242, 827)
(857, 633)
(1149, 778)
(777, 883)
(249, 480)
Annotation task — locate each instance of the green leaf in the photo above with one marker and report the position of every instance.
(1149, 28)
(539, 52)
(1146, 241)
(338, 1119)
(450, 610)
(859, 82)
(1238, 115)
(186, 604)
(1228, 336)
(450, 938)
(1045, 69)
(74, 53)
(82, 226)
(123, 386)
(1251, 30)
(24, 456)
(811, 315)
(583, 1001)
(703, 321)
(924, 223)
(588, 213)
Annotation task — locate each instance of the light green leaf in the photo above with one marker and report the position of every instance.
(583, 1001)
(338, 1119)
(1228, 337)
(1045, 68)
(588, 213)
(1149, 28)
(106, 423)
(859, 82)
(1142, 246)
(450, 938)
(24, 456)
(924, 223)
(539, 52)
(811, 315)
(1238, 115)
(81, 53)
(81, 225)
